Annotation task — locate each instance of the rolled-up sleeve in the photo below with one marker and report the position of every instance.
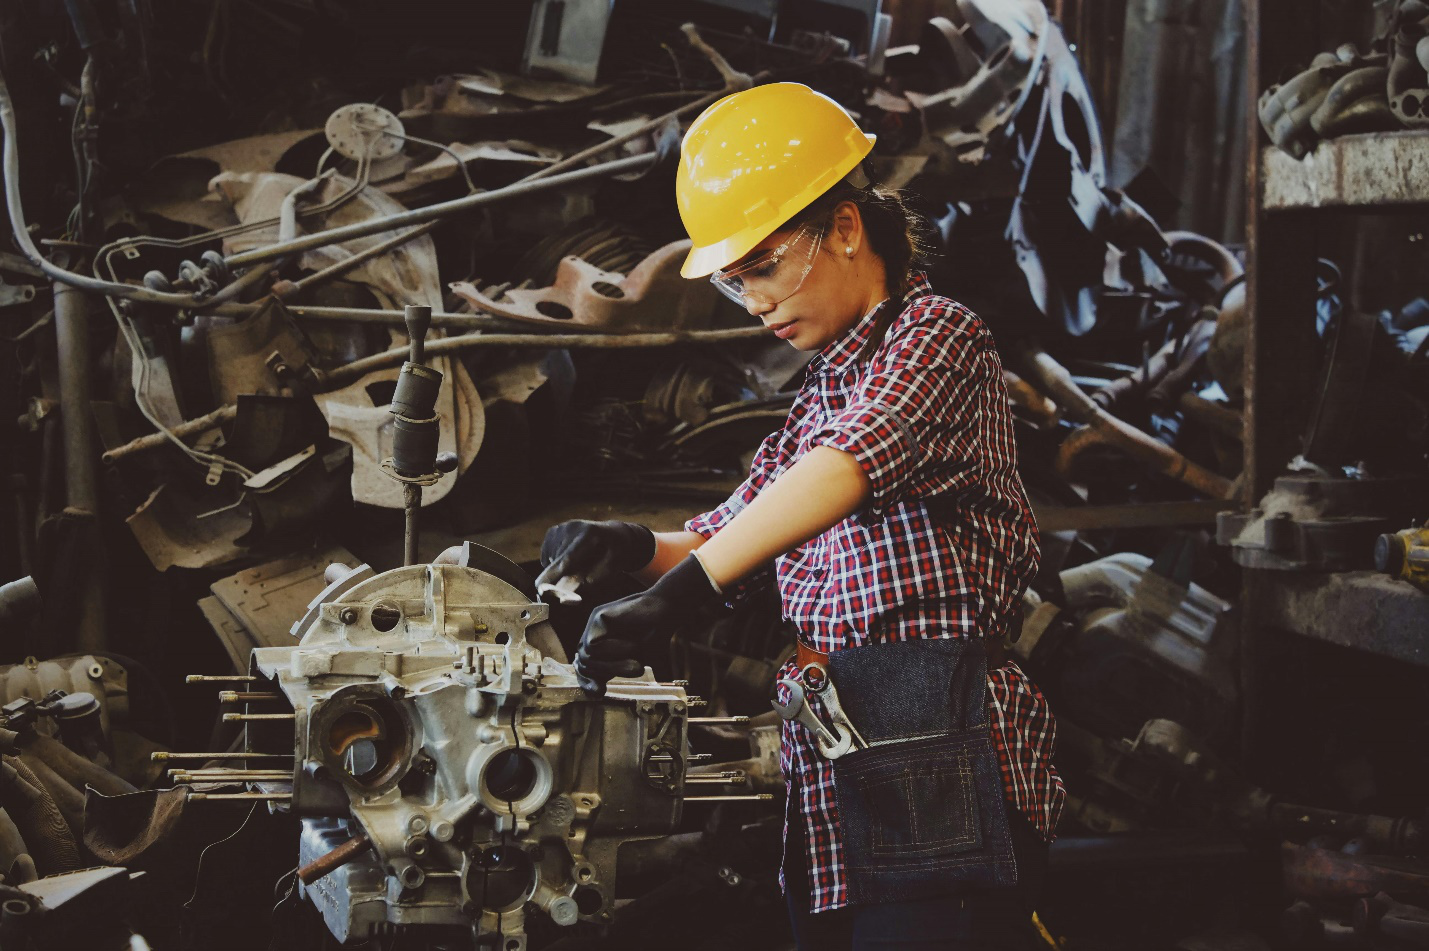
(761, 471)
(913, 406)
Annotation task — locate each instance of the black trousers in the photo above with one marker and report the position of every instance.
(984, 919)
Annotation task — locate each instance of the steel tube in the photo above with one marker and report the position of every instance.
(416, 216)
(193, 427)
(72, 341)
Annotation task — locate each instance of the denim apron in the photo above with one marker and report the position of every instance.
(922, 808)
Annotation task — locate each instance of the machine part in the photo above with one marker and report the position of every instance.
(1100, 426)
(1319, 522)
(1355, 103)
(428, 721)
(19, 601)
(1407, 82)
(363, 131)
(652, 297)
(1132, 613)
(103, 679)
(256, 606)
(1404, 555)
(1320, 874)
(1286, 109)
(395, 222)
(984, 63)
(194, 427)
(566, 38)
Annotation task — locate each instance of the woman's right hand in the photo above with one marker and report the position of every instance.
(592, 553)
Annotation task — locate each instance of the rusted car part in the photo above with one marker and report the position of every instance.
(1382, 915)
(1408, 77)
(1342, 91)
(247, 355)
(1126, 611)
(1099, 426)
(1226, 355)
(1321, 874)
(975, 71)
(652, 297)
(1320, 521)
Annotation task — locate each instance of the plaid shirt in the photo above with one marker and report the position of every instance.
(926, 417)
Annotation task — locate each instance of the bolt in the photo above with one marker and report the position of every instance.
(348, 616)
(417, 825)
(677, 707)
(645, 706)
(442, 830)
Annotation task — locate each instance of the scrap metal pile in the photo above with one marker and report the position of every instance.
(209, 349)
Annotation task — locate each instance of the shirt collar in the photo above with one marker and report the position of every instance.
(840, 354)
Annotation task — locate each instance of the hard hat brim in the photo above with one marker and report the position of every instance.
(704, 261)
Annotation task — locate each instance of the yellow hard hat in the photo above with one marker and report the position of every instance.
(754, 159)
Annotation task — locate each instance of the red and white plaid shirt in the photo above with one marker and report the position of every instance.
(926, 417)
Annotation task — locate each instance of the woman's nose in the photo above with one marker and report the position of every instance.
(757, 308)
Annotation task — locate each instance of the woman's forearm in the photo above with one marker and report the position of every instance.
(820, 490)
(670, 549)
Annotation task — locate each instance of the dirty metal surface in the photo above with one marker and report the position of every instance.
(1382, 169)
(256, 606)
(1358, 609)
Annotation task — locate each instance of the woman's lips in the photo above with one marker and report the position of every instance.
(783, 331)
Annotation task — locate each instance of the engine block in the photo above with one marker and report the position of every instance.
(435, 715)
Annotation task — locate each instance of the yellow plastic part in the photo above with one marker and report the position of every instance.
(753, 160)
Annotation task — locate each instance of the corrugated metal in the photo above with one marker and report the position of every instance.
(1181, 108)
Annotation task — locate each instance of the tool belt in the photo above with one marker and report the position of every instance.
(920, 796)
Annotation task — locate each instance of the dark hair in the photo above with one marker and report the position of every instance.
(897, 233)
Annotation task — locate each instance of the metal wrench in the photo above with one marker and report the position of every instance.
(831, 745)
(829, 697)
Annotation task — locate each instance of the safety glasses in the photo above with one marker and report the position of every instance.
(774, 276)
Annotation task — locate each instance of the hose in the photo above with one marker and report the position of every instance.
(12, 843)
(70, 801)
(75, 769)
(30, 807)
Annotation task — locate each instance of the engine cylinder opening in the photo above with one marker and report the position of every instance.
(385, 616)
(502, 877)
(588, 899)
(365, 742)
(511, 775)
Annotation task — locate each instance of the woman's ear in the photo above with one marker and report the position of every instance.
(846, 231)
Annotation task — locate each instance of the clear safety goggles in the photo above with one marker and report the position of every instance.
(775, 275)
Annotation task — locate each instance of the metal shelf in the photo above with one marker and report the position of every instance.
(1377, 170)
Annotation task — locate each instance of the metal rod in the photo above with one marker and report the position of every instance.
(374, 315)
(245, 717)
(215, 678)
(80, 449)
(243, 696)
(161, 757)
(719, 719)
(733, 779)
(199, 424)
(749, 797)
(689, 758)
(271, 797)
(289, 289)
(181, 777)
(334, 860)
(411, 506)
(416, 216)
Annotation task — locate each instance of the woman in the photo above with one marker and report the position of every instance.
(901, 537)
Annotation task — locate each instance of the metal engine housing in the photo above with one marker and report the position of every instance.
(434, 714)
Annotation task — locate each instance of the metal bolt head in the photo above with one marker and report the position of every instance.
(417, 825)
(645, 706)
(348, 616)
(442, 830)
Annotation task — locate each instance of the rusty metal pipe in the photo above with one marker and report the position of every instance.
(1227, 266)
(72, 345)
(334, 860)
(416, 216)
(200, 424)
(1101, 427)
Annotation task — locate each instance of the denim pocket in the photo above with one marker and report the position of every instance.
(924, 809)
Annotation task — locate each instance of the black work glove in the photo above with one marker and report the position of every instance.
(594, 552)
(621, 632)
